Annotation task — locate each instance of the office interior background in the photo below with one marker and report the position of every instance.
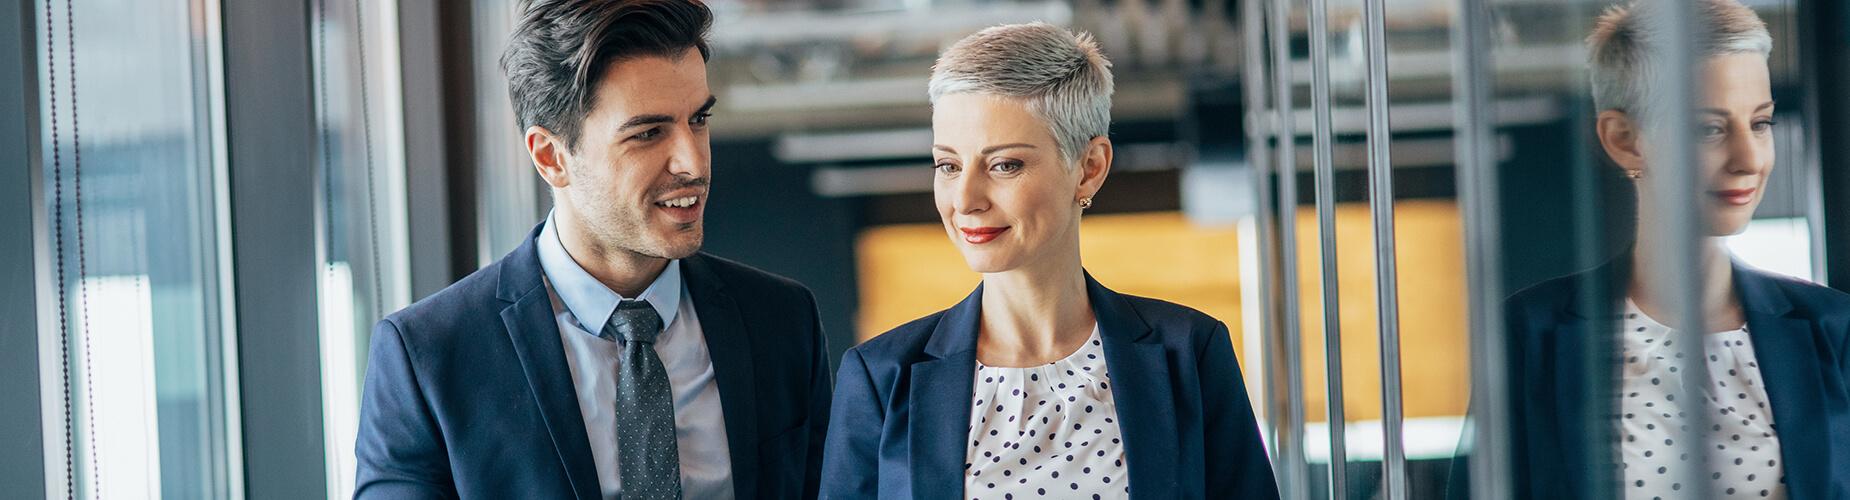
(208, 203)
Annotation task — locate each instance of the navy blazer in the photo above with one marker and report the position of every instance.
(468, 394)
(903, 405)
(1798, 330)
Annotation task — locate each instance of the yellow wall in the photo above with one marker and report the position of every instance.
(908, 271)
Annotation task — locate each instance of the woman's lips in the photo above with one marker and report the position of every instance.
(980, 235)
(1736, 197)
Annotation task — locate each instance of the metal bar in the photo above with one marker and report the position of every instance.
(1381, 211)
(1252, 84)
(1325, 174)
(1297, 476)
(1824, 47)
(270, 101)
(1479, 200)
(1677, 224)
(23, 256)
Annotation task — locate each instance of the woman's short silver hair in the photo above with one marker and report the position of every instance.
(1625, 61)
(1064, 78)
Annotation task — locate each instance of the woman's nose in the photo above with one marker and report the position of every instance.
(969, 193)
(1748, 153)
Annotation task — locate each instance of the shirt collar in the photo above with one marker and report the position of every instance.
(589, 301)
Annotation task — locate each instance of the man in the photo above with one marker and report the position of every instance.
(606, 357)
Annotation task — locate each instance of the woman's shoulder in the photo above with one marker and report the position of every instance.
(1170, 319)
(1808, 299)
(903, 342)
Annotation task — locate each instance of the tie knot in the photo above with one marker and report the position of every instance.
(634, 321)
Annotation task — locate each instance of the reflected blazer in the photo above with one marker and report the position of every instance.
(1798, 330)
(902, 405)
(468, 394)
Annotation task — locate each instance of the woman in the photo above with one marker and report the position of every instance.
(1041, 383)
(1777, 412)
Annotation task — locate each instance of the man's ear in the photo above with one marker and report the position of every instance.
(1094, 165)
(548, 152)
(1619, 135)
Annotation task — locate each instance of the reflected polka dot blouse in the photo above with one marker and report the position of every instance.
(1741, 444)
(1048, 431)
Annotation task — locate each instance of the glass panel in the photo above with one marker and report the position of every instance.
(365, 272)
(136, 347)
(1587, 231)
(510, 195)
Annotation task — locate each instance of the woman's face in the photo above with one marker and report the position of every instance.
(1004, 194)
(1734, 147)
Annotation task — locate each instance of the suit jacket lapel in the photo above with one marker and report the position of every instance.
(940, 401)
(534, 333)
(1788, 359)
(1140, 386)
(729, 348)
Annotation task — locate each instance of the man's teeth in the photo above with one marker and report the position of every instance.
(680, 202)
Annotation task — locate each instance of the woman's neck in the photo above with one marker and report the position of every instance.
(1034, 315)
(1651, 290)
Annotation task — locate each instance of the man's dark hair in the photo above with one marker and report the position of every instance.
(560, 49)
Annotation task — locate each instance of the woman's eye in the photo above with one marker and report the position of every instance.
(1709, 131)
(1007, 167)
(946, 168)
(1764, 125)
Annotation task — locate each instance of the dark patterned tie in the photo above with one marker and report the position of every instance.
(647, 456)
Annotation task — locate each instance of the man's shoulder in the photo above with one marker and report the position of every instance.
(467, 303)
(746, 279)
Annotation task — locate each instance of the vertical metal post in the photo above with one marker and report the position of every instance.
(1291, 441)
(1479, 203)
(22, 210)
(1252, 84)
(1678, 222)
(1381, 212)
(1325, 174)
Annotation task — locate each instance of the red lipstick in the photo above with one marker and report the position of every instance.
(1736, 197)
(980, 235)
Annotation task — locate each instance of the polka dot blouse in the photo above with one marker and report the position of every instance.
(1742, 447)
(1048, 431)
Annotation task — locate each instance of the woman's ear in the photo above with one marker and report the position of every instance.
(548, 152)
(1094, 165)
(1619, 135)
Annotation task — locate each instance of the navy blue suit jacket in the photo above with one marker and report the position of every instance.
(468, 394)
(902, 405)
(1798, 330)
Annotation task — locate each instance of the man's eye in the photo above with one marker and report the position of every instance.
(648, 134)
(701, 119)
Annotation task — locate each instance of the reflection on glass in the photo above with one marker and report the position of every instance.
(130, 183)
(1617, 390)
(365, 272)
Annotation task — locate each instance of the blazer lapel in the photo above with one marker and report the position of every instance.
(729, 348)
(1140, 386)
(1788, 359)
(940, 402)
(535, 335)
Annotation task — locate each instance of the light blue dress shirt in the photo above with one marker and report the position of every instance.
(582, 305)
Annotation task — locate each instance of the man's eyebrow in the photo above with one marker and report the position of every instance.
(640, 120)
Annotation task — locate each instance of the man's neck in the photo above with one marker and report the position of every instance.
(623, 271)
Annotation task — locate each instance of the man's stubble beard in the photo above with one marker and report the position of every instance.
(624, 230)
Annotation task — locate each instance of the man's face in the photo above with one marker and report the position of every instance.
(637, 180)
